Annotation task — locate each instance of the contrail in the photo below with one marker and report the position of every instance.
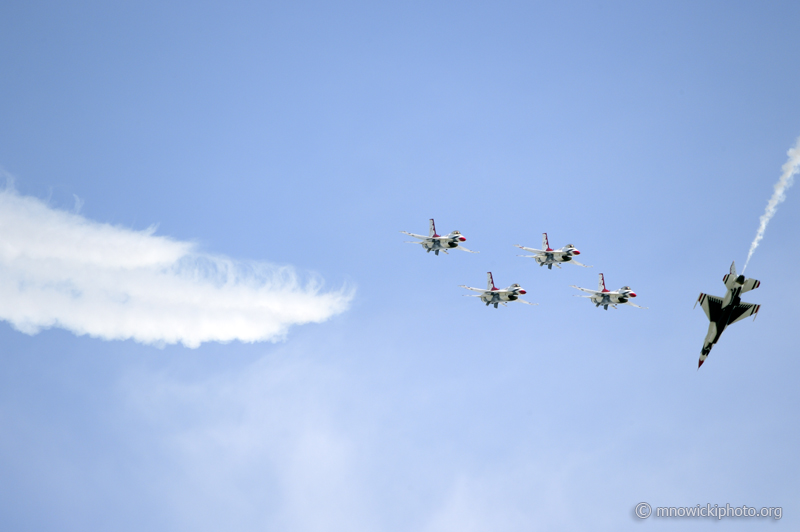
(791, 167)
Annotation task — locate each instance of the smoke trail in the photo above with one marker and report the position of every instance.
(61, 269)
(791, 167)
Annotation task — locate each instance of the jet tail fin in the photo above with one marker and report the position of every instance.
(490, 282)
(750, 284)
(545, 243)
(730, 279)
(601, 284)
(432, 229)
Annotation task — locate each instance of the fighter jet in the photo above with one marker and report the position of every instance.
(494, 296)
(606, 298)
(721, 312)
(552, 257)
(436, 243)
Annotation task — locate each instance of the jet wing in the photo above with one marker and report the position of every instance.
(462, 248)
(585, 289)
(712, 306)
(743, 310)
(415, 236)
(473, 289)
(533, 250)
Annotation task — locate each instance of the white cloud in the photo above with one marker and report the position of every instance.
(59, 269)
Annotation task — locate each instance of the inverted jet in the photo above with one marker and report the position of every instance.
(722, 311)
(492, 295)
(436, 243)
(602, 297)
(552, 257)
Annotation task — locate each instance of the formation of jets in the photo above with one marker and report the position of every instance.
(721, 311)
(544, 257)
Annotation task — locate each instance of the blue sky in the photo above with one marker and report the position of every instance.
(236, 176)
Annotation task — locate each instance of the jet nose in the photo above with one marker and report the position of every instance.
(632, 294)
(462, 239)
(521, 291)
(576, 252)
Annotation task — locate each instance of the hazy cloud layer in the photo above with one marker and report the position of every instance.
(283, 444)
(59, 269)
(286, 443)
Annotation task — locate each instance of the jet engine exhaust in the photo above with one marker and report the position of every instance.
(790, 168)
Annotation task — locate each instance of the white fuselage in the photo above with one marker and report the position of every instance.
(609, 298)
(498, 296)
(545, 259)
(440, 243)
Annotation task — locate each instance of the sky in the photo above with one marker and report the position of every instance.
(210, 320)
